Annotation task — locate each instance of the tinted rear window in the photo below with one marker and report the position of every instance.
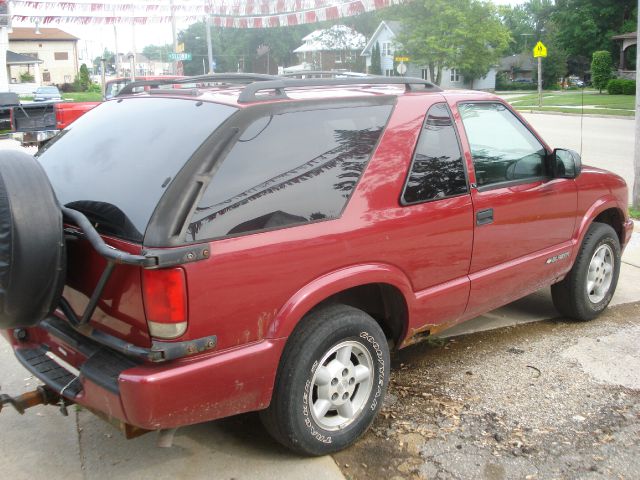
(289, 169)
(115, 162)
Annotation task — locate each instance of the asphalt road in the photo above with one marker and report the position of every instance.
(605, 142)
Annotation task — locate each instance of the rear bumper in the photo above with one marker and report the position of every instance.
(31, 138)
(150, 395)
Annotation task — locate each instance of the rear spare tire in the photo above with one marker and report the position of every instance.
(32, 255)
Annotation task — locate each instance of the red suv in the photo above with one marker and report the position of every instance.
(260, 243)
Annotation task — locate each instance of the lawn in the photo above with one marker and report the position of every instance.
(83, 96)
(571, 102)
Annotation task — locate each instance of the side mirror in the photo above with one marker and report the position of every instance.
(565, 163)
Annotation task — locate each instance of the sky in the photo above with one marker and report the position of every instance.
(95, 38)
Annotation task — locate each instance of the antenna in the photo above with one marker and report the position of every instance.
(581, 117)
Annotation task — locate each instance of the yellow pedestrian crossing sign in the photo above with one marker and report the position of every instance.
(539, 50)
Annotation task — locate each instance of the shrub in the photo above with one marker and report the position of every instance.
(601, 68)
(621, 86)
(629, 87)
(95, 88)
(26, 77)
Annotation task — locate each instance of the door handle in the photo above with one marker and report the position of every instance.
(484, 217)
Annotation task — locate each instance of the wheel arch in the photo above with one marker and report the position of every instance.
(604, 210)
(382, 291)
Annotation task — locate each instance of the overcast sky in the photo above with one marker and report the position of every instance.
(95, 38)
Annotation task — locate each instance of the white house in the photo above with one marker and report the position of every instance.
(385, 37)
(334, 48)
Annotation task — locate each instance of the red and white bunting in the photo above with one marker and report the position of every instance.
(223, 13)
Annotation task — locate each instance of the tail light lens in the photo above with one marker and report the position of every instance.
(59, 118)
(165, 302)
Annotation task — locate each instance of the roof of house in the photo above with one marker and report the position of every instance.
(624, 36)
(29, 33)
(521, 61)
(338, 37)
(391, 25)
(14, 58)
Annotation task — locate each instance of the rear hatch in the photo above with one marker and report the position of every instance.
(114, 164)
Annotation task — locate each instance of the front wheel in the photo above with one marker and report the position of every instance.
(589, 286)
(331, 381)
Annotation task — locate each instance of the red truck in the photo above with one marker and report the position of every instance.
(262, 243)
(37, 123)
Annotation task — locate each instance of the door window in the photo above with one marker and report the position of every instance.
(437, 170)
(503, 149)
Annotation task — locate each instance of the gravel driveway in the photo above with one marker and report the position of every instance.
(545, 400)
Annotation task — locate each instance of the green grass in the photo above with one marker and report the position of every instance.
(593, 103)
(577, 111)
(634, 213)
(83, 96)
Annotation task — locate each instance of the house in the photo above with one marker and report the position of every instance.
(385, 37)
(144, 67)
(334, 48)
(627, 41)
(58, 51)
(518, 68)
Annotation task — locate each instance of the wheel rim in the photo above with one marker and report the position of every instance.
(341, 385)
(600, 273)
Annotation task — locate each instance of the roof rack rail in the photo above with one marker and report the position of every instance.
(213, 77)
(329, 73)
(250, 92)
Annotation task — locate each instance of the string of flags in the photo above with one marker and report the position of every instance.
(223, 13)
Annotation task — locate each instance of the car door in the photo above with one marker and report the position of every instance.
(523, 218)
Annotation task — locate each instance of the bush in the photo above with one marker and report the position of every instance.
(601, 68)
(95, 88)
(26, 77)
(66, 87)
(621, 86)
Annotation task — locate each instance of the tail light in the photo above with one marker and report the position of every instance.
(165, 302)
(59, 116)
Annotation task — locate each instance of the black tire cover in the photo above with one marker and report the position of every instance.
(32, 247)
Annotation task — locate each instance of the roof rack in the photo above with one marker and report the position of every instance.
(328, 73)
(214, 77)
(250, 92)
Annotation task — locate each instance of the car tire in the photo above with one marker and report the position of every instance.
(331, 381)
(32, 247)
(590, 284)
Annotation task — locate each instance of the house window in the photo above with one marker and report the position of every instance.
(386, 49)
(46, 76)
(388, 72)
(425, 73)
(455, 75)
(349, 57)
(61, 55)
(339, 57)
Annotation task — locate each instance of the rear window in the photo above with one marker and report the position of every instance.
(289, 169)
(115, 162)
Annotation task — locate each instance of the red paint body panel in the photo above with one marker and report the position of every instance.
(67, 112)
(252, 290)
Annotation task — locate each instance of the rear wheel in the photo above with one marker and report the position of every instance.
(32, 248)
(589, 286)
(331, 381)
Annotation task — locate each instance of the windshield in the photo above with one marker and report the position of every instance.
(47, 90)
(115, 162)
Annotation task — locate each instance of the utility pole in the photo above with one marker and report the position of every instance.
(175, 36)
(540, 81)
(207, 27)
(133, 52)
(636, 162)
(4, 45)
(115, 37)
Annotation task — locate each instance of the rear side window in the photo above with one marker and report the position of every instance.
(115, 162)
(287, 169)
(437, 170)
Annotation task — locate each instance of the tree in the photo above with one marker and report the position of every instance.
(376, 67)
(601, 67)
(83, 80)
(157, 53)
(463, 34)
(585, 26)
(518, 20)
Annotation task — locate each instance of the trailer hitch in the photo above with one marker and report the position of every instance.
(39, 396)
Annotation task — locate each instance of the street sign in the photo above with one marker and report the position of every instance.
(180, 56)
(402, 59)
(402, 69)
(539, 50)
